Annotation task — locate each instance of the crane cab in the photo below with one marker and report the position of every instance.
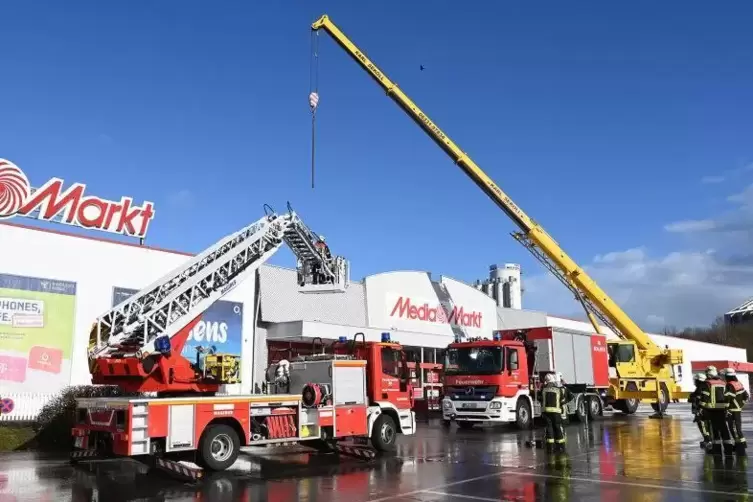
(623, 359)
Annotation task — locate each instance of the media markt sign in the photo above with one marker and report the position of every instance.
(71, 206)
(414, 309)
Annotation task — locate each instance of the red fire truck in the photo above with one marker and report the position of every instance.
(496, 381)
(359, 391)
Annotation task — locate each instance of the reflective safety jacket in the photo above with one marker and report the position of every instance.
(695, 397)
(713, 395)
(736, 395)
(552, 398)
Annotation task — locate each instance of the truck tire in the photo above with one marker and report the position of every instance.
(523, 414)
(595, 407)
(631, 406)
(581, 408)
(628, 406)
(661, 406)
(384, 433)
(218, 447)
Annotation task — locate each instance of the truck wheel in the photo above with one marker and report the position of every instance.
(595, 407)
(218, 448)
(663, 403)
(581, 408)
(631, 405)
(523, 414)
(384, 433)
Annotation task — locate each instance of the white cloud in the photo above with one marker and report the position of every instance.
(682, 288)
(105, 139)
(713, 179)
(745, 198)
(690, 226)
(721, 178)
(182, 199)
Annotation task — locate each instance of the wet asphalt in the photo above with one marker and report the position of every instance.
(614, 458)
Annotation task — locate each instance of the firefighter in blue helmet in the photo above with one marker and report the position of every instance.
(736, 396)
(553, 399)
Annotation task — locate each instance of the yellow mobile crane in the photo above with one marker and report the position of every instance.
(644, 370)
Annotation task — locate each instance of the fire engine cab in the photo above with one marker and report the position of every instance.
(497, 380)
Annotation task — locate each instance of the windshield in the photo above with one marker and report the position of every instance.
(473, 361)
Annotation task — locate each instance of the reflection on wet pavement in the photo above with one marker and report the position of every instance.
(616, 458)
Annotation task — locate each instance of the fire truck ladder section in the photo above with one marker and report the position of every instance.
(169, 304)
(657, 370)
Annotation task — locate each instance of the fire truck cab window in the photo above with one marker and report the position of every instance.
(391, 362)
(473, 361)
(512, 359)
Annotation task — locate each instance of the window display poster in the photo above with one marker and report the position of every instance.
(37, 322)
(221, 326)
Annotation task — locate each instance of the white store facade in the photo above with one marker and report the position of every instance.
(68, 281)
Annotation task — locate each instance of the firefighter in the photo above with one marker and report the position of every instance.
(737, 396)
(695, 406)
(323, 249)
(561, 384)
(553, 398)
(715, 406)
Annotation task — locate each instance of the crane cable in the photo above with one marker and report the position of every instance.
(313, 96)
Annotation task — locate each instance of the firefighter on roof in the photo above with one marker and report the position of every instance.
(736, 396)
(714, 403)
(553, 398)
(695, 406)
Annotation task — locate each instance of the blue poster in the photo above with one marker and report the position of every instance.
(221, 326)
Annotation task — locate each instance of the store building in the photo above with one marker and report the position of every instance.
(69, 280)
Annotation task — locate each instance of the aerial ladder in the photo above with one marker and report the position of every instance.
(640, 369)
(137, 344)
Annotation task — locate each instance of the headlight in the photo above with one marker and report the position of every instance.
(446, 404)
(496, 405)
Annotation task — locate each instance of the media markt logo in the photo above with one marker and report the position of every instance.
(458, 316)
(71, 206)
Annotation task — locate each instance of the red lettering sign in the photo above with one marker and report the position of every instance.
(458, 315)
(72, 206)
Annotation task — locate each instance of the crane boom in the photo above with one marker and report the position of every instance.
(532, 235)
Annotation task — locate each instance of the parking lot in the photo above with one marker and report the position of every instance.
(615, 458)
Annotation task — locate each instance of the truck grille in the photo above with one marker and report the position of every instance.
(472, 393)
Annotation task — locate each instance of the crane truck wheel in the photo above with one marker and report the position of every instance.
(384, 433)
(663, 403)
(218, 448)
(595, 407)
(523, 414)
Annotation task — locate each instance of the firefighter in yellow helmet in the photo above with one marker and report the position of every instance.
(714, 404)
(695, 405)
(736, 396)
(553, 398)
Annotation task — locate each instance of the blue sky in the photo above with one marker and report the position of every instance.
(609, 124)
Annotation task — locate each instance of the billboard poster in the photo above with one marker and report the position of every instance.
(221, 326)
(37, 318)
